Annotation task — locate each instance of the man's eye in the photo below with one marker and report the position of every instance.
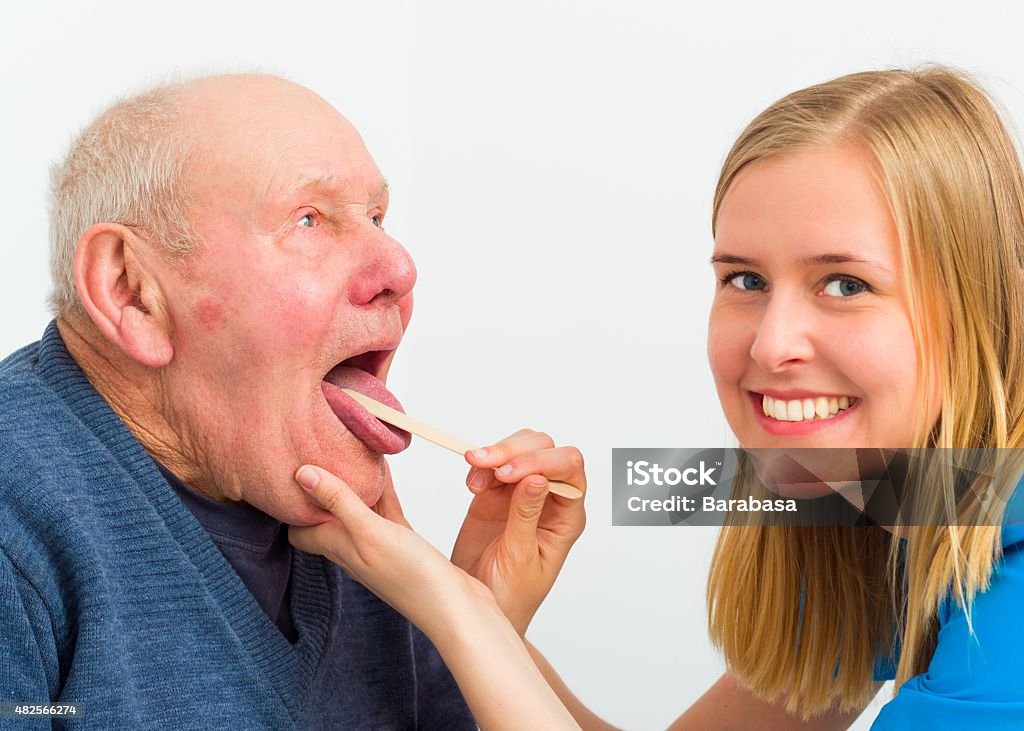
(377, 222)
(748, 281)
(845, 287)
(307, 221)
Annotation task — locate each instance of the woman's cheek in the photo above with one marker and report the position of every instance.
(878, 356)
(728, 350)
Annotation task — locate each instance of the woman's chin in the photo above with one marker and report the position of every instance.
(803, 473)
(799, 490)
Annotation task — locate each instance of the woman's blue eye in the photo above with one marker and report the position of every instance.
(377, 222)
(844, 288)
(747, 281)
(307, 221)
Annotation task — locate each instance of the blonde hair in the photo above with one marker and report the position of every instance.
(129, 166)
(801, 613)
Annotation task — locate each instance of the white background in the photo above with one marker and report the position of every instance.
(552, 166)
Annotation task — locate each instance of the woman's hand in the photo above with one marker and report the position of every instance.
(487, 658)
(377, 547)
(516, 535)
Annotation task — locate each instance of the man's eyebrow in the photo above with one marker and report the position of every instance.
(840, 258)
(331, 187)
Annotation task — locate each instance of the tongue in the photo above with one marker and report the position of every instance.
(375, 434)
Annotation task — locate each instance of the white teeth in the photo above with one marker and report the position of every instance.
(820, 407)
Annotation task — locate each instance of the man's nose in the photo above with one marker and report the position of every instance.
(783, 338)
(387, 275)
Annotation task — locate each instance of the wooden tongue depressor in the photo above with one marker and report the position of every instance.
(438, 437)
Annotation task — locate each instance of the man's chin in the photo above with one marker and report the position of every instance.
(365, 476)
(307, 518)
(307, 513)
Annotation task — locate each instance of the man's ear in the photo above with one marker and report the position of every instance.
(121, 295)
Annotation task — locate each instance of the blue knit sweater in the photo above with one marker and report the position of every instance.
(112, 595)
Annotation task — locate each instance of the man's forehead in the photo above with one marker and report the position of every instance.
(343, 188)
(278, 137)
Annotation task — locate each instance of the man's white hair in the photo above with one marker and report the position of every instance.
(130, 166)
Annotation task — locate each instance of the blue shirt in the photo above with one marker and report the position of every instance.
(113, 595)
(974, 681)
(254, 543)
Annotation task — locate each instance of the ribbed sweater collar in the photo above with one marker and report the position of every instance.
(288, 668)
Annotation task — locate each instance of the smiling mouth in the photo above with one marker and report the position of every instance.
(362, 373)
(811, 409)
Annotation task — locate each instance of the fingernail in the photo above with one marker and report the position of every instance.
(307, 477)
(480, 453)
(503, 471)
(477, 479)
(536, 486)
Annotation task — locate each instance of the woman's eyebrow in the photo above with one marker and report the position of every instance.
(730, 259)
(818, 259)
(844, 259)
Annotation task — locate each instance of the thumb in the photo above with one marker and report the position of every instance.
(334, 495)
(525, 510)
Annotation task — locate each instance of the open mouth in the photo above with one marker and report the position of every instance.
(362, 373)
(802, 416)
(818, 408)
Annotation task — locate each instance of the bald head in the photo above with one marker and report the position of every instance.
(138, 162)
(288, 275)
(254, 132)
(241, 95)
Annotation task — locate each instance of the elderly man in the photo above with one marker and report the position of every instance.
(221, 271)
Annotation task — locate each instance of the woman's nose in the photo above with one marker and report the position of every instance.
(783, 337)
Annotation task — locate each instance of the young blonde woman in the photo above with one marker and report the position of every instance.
(868, 249)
